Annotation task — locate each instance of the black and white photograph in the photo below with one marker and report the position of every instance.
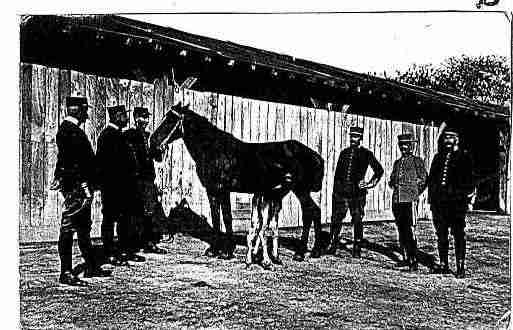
(265, 167)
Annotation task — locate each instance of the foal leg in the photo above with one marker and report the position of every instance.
(254, 228)
(276, 207)
(265, 209)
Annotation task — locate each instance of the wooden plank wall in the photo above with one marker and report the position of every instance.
(43, 93)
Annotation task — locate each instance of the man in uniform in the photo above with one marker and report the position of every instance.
(147, 236)
(408, 180)
(450, 183)
(116, 177)
(74, 177)
(350, 189)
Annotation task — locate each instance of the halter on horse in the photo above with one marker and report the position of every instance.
(225, 164)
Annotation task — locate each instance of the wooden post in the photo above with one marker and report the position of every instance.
(25, 144)
(510, 166)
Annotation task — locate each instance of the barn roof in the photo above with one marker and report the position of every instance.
(120, 47)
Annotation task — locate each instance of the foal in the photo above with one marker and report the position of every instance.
(267, 204)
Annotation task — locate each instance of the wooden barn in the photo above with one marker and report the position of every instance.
(254, 94)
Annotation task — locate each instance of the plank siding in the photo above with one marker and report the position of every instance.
(43, 93)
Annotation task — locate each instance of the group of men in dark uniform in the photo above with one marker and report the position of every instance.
(123, 171)
(449, 183)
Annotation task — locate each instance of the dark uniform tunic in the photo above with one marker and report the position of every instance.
(408, 180)
(75, 167)
(450, 182)
(149, 207)
(116, 179)
(352, 166)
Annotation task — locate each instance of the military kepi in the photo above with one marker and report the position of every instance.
(115, 110)
(452, 131)
(356, 131)
(75, 101)
(141, 112)
(405, 138)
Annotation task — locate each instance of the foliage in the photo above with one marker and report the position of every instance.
(481, 78)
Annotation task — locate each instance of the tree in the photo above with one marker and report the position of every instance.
(481, 78)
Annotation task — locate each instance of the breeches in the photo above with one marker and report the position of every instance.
(450, 216)
(340, 205)
(76, 216)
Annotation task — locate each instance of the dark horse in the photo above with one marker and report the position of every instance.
(225, 164)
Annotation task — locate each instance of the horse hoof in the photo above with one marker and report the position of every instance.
(277, 261)
(226, 256)
(298, 257)
(210, 253)
(267, 265)
(315, 254)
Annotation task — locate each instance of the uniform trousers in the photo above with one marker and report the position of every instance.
(76, 217)
(403, 214)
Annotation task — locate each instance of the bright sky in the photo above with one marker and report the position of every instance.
(358, 42)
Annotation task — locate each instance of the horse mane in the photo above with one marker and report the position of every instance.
(204, 127)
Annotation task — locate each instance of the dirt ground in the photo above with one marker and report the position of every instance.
(185, 289)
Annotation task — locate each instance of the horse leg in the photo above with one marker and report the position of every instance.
(311, 212)
(213, 249)
(276, 207)
(229, 244)
(252, 233)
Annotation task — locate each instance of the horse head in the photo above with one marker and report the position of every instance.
(169, 130)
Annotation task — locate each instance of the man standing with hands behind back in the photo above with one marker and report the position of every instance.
(116, 177)
(408, 179)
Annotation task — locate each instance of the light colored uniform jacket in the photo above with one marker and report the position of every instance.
(408, 179)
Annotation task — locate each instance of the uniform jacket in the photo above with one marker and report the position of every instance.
(138, 145)
(115, 163)
(450, 177)
(408, 179)
(75, 157)
(351, 168)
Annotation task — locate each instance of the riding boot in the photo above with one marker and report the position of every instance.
(65, 246)
(317, 248)
(460, 268)
(460, 246)
(412, 263)
(405, 261)
(300, 251)
(443, 267)
(358, 237)
(335, 228)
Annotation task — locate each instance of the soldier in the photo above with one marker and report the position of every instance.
(450, 183)
(408, 179)
(74, 177)
(137, 139)
(116, 177)
(350, 189)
